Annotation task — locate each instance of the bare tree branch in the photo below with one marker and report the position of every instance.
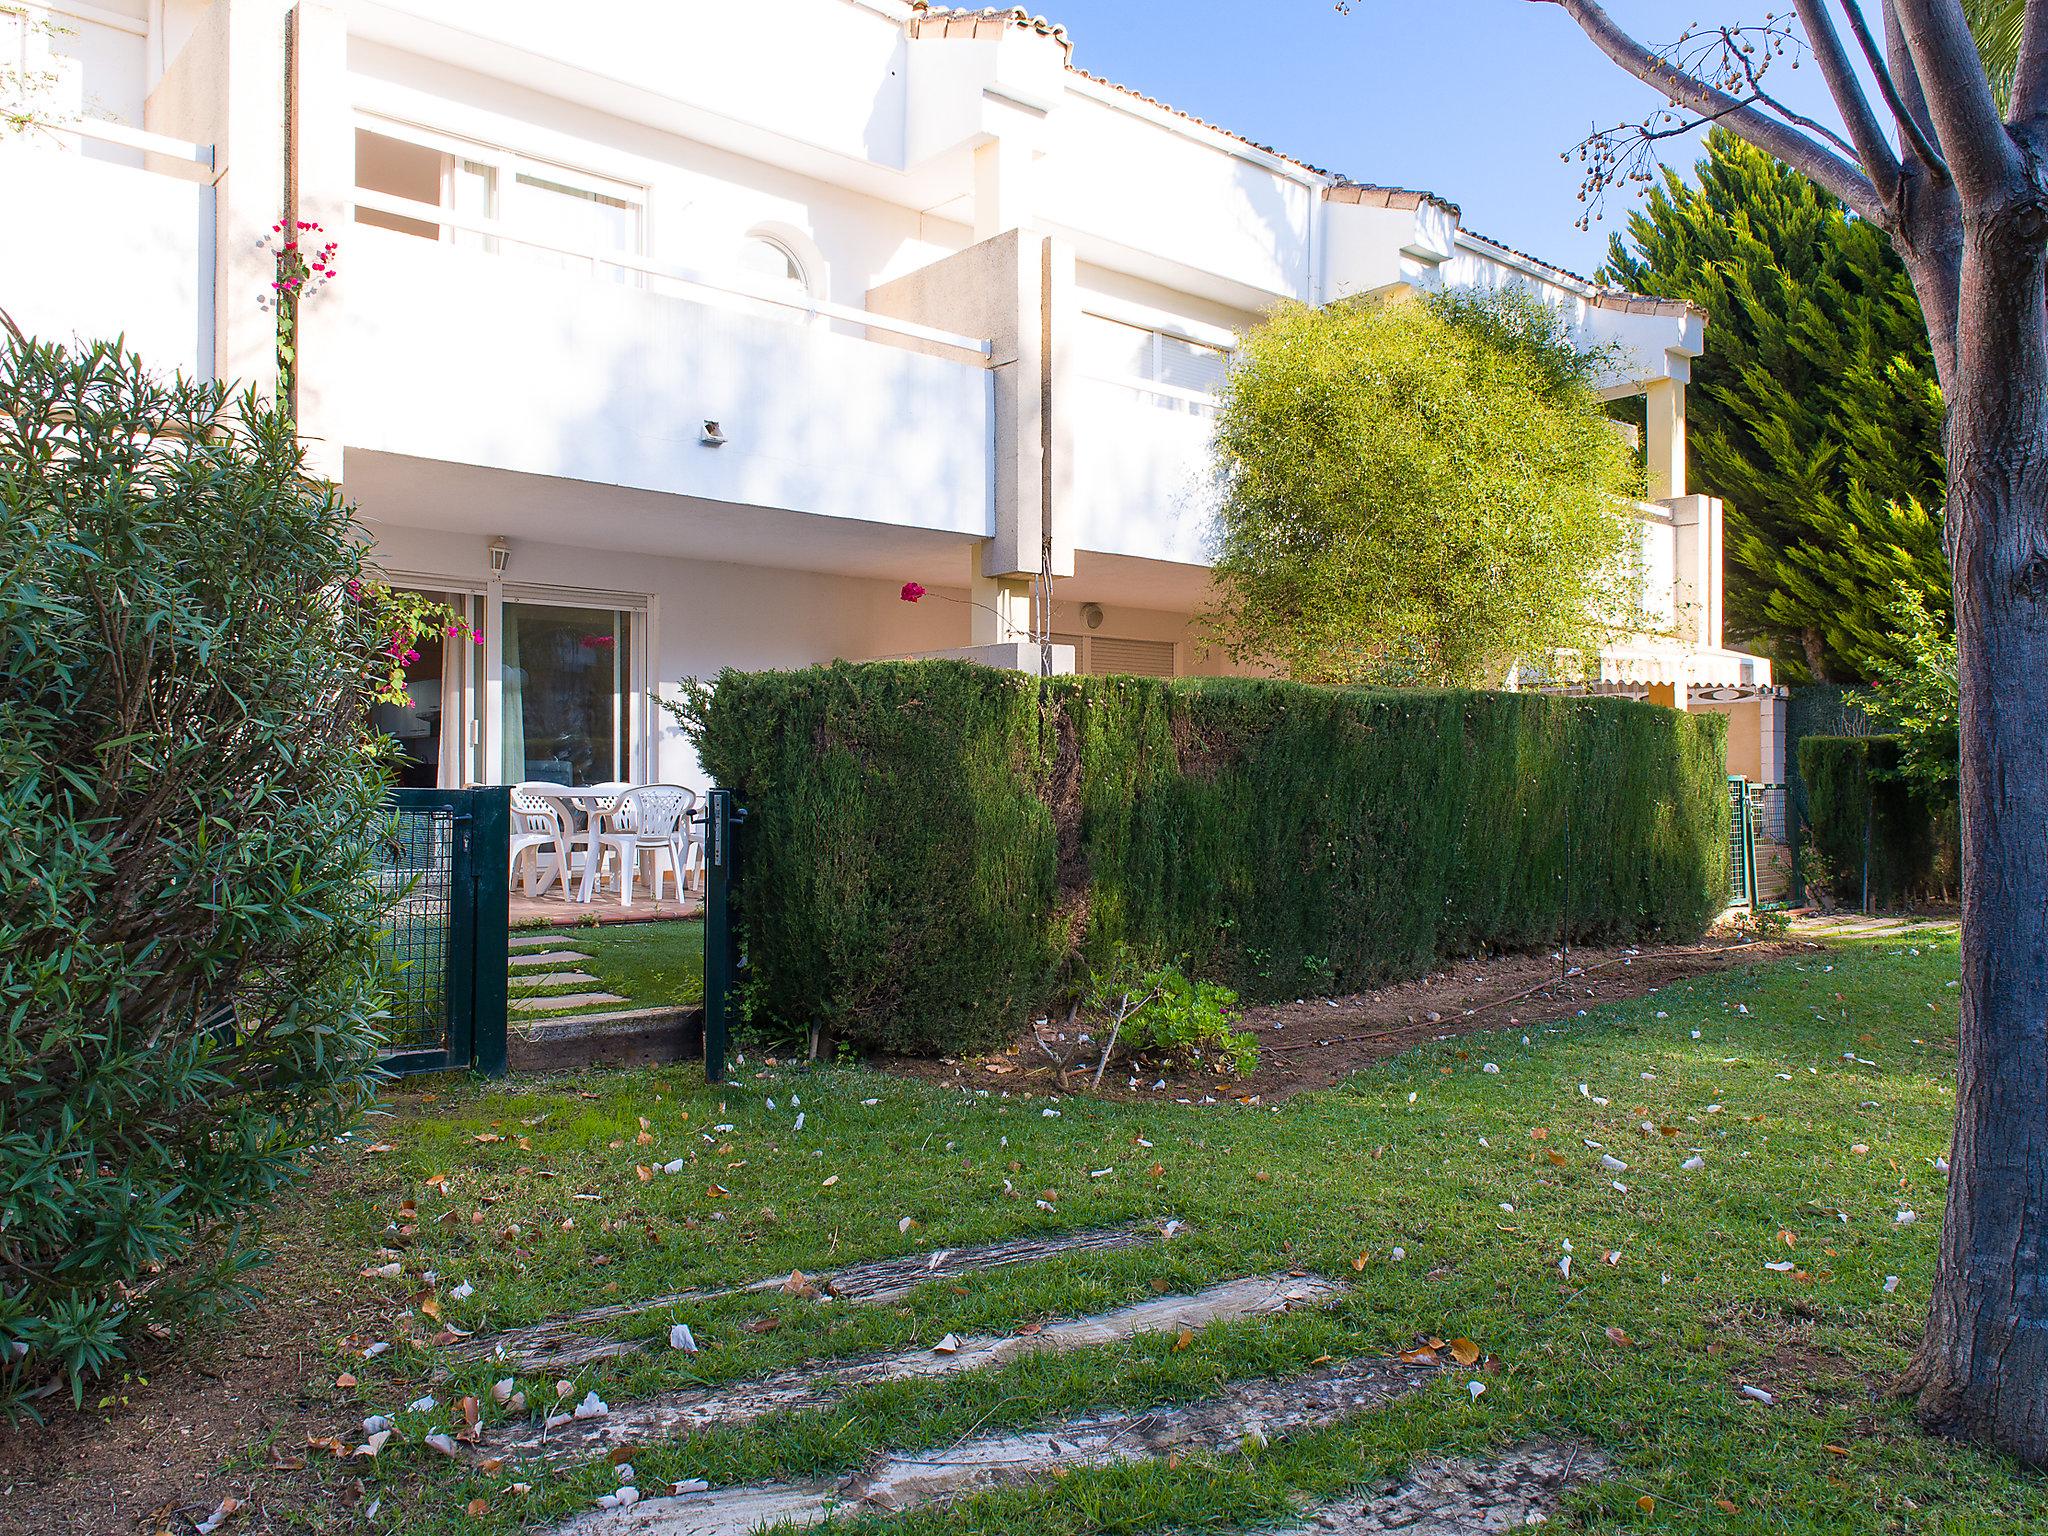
(1904, 72)
(1804, 152)
(1981, 154)
(1912, 127)
(2030, 77)
(1872, 147)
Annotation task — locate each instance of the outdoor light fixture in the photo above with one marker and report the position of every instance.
(714, 434)
(1091, 615)
(501, 554)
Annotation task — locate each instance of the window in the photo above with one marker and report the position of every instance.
(568, 695)
(1137, 355)
(558, 209)
(1107, 656)
(772, 265)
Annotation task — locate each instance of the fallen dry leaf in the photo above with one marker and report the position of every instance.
(1618, 1338)
(1464, 1351)
(1183, 1339)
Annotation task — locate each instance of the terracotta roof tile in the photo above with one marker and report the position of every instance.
(1597, 294)
(981, 21)
(1366, 195)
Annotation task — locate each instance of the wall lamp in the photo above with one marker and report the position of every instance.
(501, 554)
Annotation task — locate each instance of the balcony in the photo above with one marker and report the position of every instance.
(597, 366)
(117, 249)
(1144, 484)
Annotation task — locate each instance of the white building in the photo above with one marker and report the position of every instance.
(671, 335)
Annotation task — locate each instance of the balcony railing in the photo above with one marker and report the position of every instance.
(121, 136)
(119, 249)
(727, 292)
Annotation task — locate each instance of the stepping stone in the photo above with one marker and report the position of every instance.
(563, 1000)
(531, 940)
(1521, 1487)
(899, 1480)
(526, 981)
(820, 1384)
(552, 957)
(561, 1344)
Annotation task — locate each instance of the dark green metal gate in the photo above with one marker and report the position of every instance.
(724, 961)
(441, 872)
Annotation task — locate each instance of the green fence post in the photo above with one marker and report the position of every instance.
(490, 827)
(722, 821)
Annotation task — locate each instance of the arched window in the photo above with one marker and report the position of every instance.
(773, 265)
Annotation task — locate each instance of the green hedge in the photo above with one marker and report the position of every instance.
(936, 847)
(1852, 784)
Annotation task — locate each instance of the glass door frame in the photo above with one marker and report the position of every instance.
(636, 693)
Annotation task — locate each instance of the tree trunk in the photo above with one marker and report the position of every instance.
(1982, 1369)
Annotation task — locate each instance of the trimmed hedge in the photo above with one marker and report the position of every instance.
(1853, 784)
(935, 848)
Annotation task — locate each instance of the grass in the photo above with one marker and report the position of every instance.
(1807, 1060)
(651, 965)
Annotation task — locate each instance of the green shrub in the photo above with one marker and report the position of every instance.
(1163, 1012)
(937, 849)
(188, 962)
(1860, 803)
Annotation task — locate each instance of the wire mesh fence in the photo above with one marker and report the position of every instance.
(415, 876)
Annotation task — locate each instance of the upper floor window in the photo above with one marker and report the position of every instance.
(1185, 373)
(547, 213)
(774, 266)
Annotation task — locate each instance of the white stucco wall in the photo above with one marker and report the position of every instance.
(702, 200)
(119, 251)
(483, 359)
(703, 615)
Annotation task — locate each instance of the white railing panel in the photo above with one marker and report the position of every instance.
(482, 358)
(1143, 481)
(106, 250)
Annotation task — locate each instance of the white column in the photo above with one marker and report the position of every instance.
(1002, 606)
(1664, 437)
(494, 683)
(1004, 174)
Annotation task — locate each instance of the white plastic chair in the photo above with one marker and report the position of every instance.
(539, 823)
(650, 821)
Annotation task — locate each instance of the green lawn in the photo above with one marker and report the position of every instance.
(651, 965)
(1851, 1049)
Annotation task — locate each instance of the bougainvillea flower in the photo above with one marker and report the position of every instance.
(912, 592)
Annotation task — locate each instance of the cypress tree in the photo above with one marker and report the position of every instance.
(1814, 414)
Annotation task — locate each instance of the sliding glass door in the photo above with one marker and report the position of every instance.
(568, 693)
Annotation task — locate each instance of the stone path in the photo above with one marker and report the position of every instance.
(564, 1343)
(544, 978)
(1466, 1497)
(824, 1383)
(1244, 1412)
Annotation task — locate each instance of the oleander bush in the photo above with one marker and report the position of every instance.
(189, 981)
(935, 850)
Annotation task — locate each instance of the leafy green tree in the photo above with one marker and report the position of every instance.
(1918, 698)
(190, 981)
(1419, 493)
(1814, 414)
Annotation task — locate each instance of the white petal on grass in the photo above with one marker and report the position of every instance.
(680, 1337)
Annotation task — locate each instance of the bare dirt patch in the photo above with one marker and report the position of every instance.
(225, 1415)
(1316, 1042)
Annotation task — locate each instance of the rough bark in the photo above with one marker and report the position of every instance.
(1982, 1369)
(1968, 211)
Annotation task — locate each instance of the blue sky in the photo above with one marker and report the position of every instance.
(1473, 99)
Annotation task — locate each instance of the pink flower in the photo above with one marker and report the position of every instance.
(454, 630)
(911, 592)
(478, 638)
